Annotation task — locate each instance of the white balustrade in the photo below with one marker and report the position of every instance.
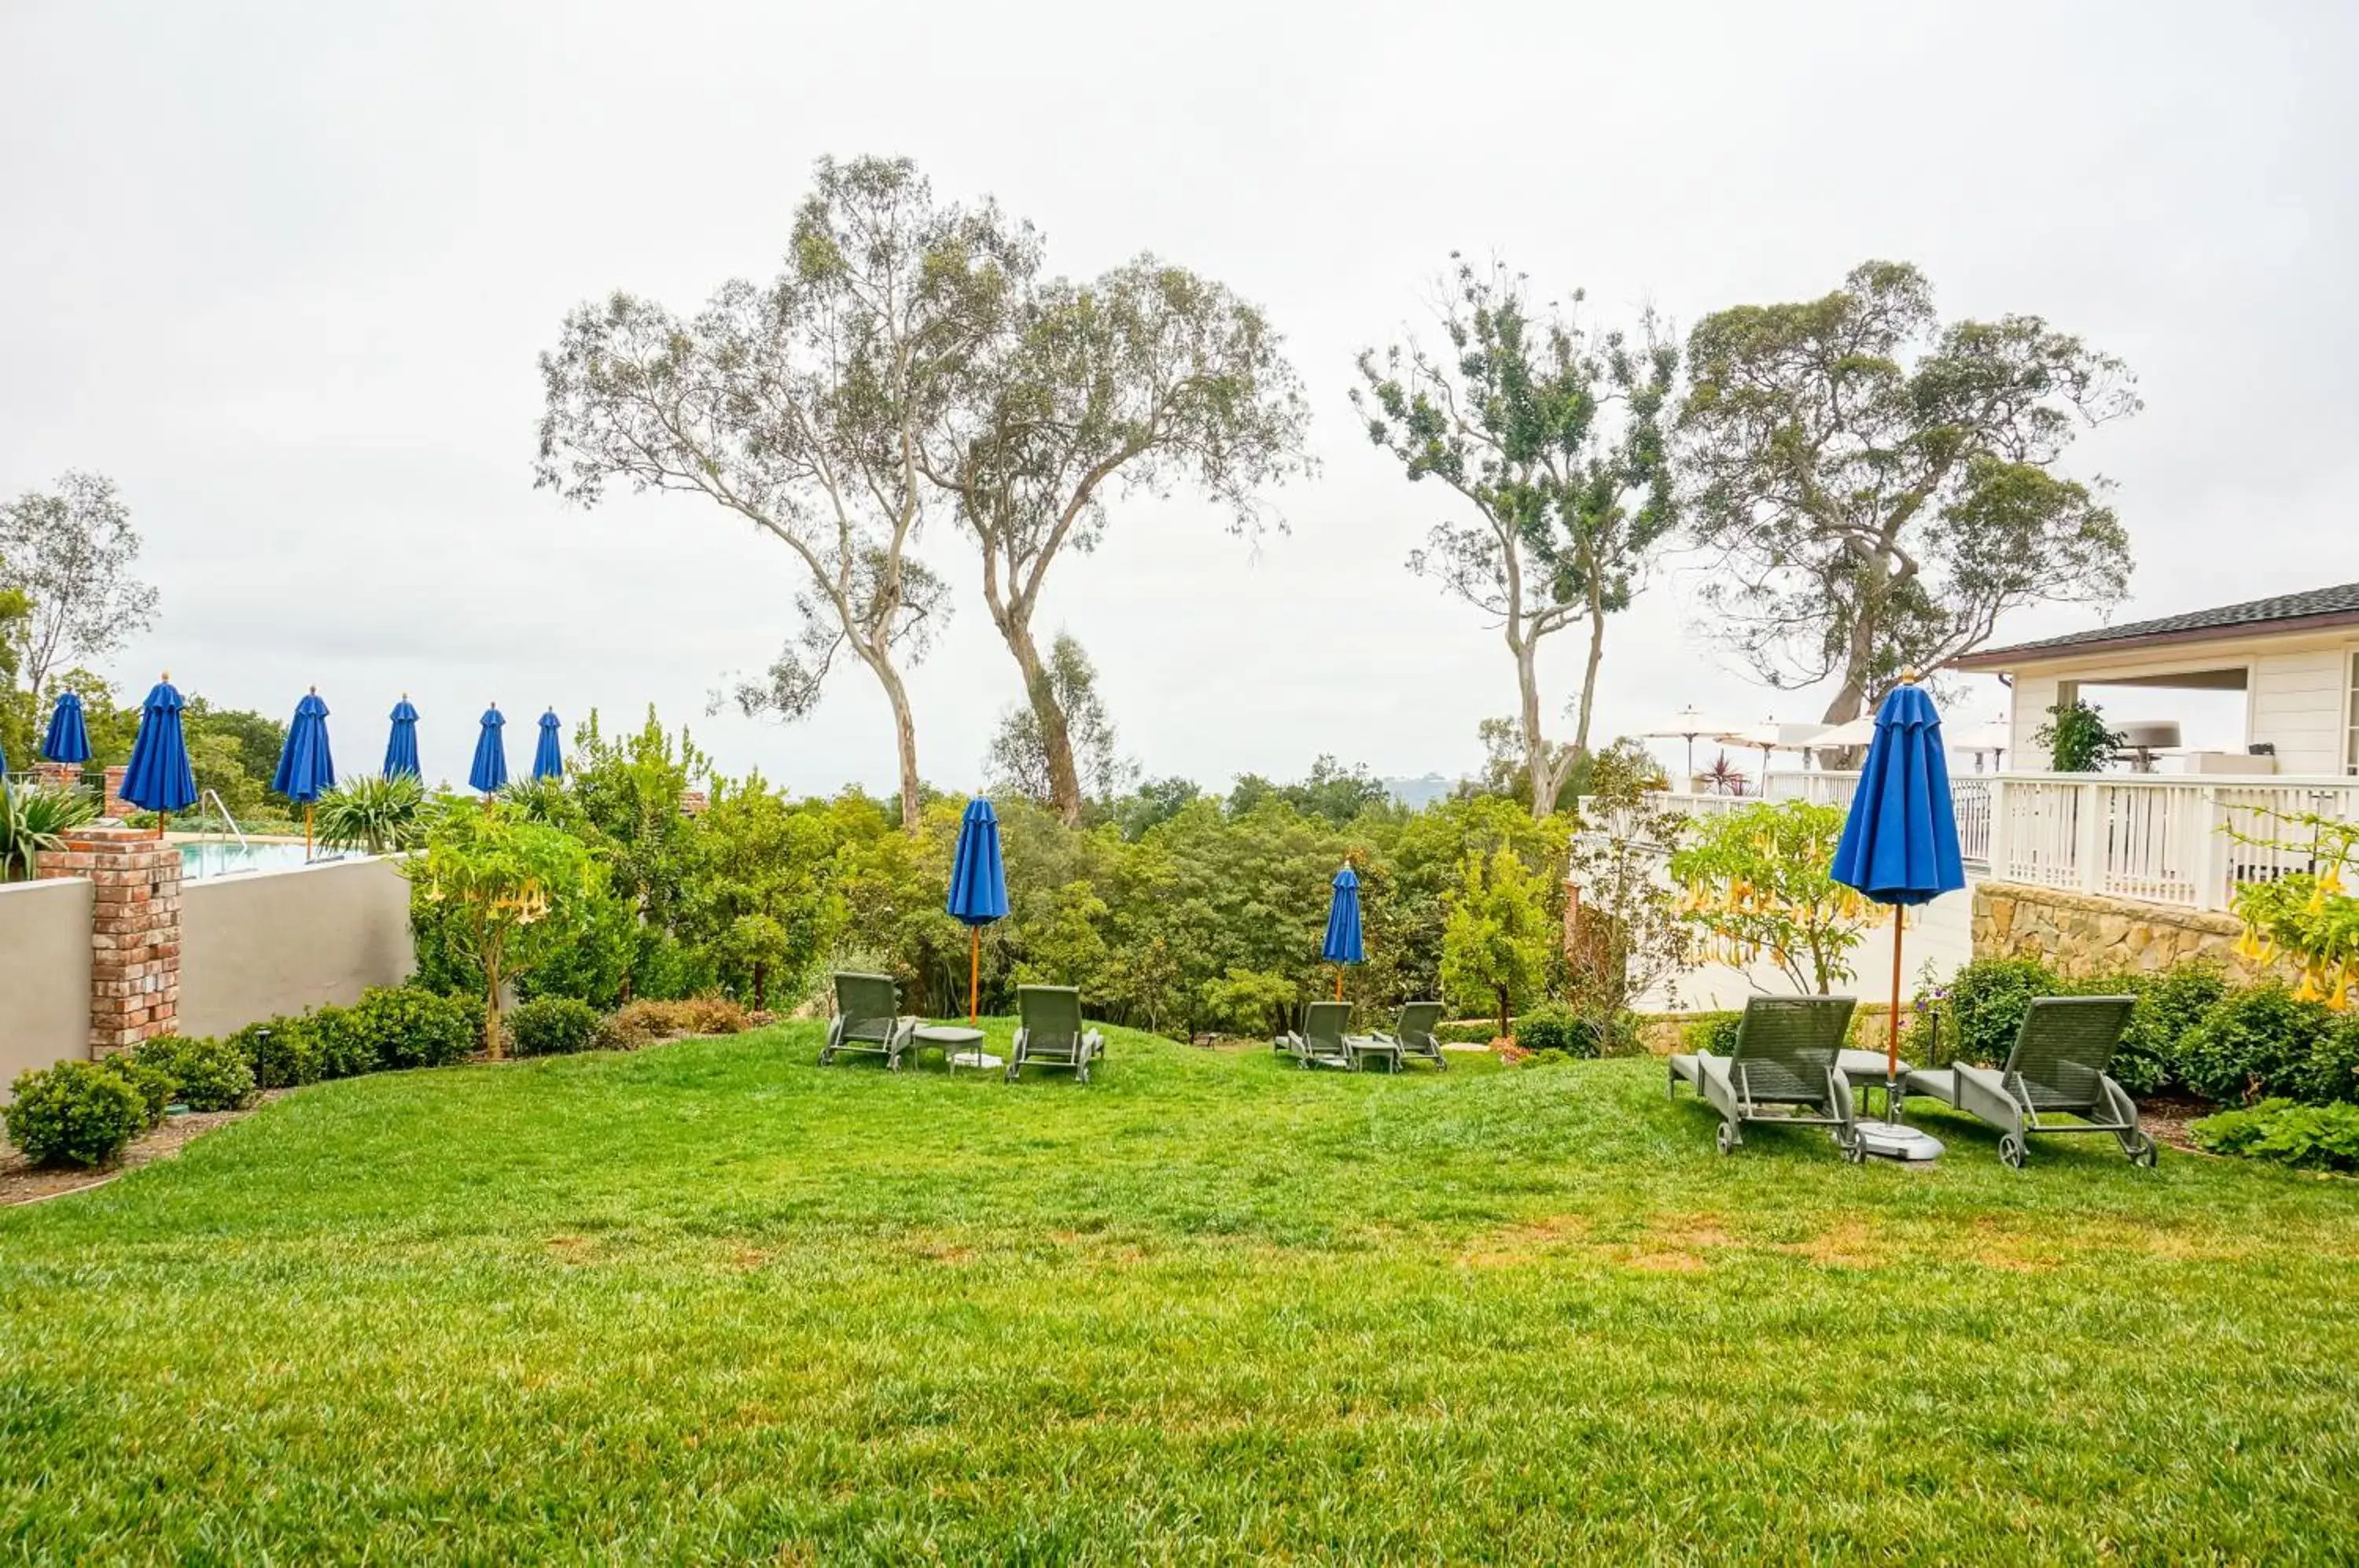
(2157, 838)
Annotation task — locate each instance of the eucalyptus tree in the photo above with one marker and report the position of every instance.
(799, 406)
(1146, 380)
(67, 565)
(1877, 488)
(1551, 435)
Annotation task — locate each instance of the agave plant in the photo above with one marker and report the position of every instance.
(33, 822)
(380, 813)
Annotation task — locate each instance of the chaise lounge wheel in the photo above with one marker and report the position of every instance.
(1855, 1151)
(1726, 1139)
(2142, 1154)
(2011, 1150)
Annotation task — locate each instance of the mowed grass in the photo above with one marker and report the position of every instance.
(711, 1302)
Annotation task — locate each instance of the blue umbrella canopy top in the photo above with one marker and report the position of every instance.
(1900, 842)
(1343, 943)
(401, 741)
(306, 769)
(548, 756)
(158, 777)
(978, 879)
(69, 736)
(489, 772)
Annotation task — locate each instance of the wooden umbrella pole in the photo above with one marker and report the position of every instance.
(1339, 981)
(307, 830)
(974, 976)
(1892, 1045)
(163, 821)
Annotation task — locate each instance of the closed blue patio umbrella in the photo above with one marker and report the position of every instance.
(1343, 943)
(489, 771)
(306, 769)
(1899, 844)
(978, 890)
(401, 741)
(159, 778)
(69, 737)
(548, 756)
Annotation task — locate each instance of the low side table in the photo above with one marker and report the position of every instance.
(963, 1046)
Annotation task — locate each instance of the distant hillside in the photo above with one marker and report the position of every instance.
(1418, 793)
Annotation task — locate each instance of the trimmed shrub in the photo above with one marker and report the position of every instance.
(2252, 1044)
(1715, 1033)
(74, 1114)
(552, 1026)
(1555, 1029)
(157, 1086)
(283, 1052)
(2309, 1137)
(1975, 1017)
(343, 1042)
(1547, 1056)
(212, 1074)
(1466, 1032)
(2169, 1007)
(2332, 1075)
(405, 1026)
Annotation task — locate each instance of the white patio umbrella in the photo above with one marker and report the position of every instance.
(1842, 737)
(1766, 736)
(1687, 724)
(1994, 737)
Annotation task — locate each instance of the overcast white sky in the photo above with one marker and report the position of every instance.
(282, 271)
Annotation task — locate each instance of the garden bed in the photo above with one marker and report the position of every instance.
(24, 1182)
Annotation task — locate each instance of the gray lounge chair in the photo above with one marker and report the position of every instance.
(1321, 1041)
(2056, 1068)
(1412, 1033)
(1050, 1033)
(1781, 1069)
(867, 1008)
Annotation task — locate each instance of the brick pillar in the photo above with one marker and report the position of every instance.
(134, 932)
(59, 775)
(117, 806)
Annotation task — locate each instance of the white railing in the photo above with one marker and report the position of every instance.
(2159, 839)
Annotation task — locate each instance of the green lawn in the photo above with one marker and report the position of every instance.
(712, 1302)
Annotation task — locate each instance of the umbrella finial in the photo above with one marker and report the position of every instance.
(1908, 678)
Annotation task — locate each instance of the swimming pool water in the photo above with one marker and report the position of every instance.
(227, 857)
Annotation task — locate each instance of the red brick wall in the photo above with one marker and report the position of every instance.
(134, 939)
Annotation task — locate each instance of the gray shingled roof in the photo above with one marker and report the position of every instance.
(2343, 600)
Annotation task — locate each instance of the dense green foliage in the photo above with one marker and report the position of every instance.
(34, 822)
(73, 1113)
(2309, 1137)
(206, 1075)
(2190, 1029)
(2077, 739)
(552, 1026)
(716, 1304)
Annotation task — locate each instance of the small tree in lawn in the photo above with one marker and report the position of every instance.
(763, 901)
(1496, 936)
(1626, 938)
(507, 892)
(1756, 881)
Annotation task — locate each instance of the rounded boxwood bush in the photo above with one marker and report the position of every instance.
(155, 1085)
(281, 1051)
(344, 1045)
(210, 1074)
(552, 1026)
(1555, 1029)
(2254, 1043)
(1982, 1010)
(408, 1026)
(74, 1114)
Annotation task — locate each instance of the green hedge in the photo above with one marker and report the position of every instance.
(74, 1114)
(2190, 1029)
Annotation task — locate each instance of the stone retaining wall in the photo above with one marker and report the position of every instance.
(2080, 934)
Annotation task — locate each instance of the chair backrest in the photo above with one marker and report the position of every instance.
(2064, 1047)
(1415, 1025)
(1786, 1044)
(1324, 1024)
(1051, 1013)
(867, 1005)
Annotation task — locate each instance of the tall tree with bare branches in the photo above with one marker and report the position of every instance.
(1551, 436)
(801, 407)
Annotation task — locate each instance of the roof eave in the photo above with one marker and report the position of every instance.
(1992, 659)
